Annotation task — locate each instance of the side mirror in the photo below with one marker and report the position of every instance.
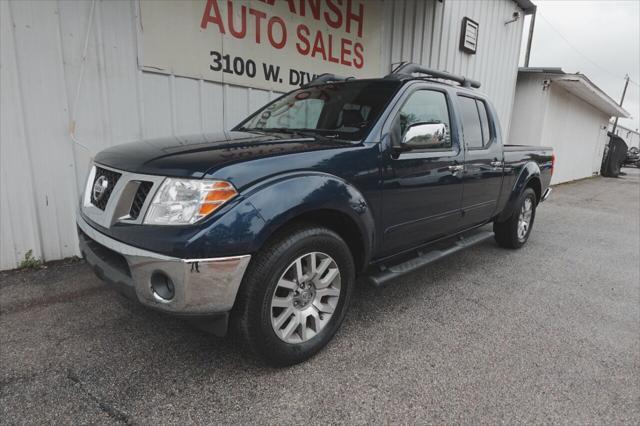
(423, 135)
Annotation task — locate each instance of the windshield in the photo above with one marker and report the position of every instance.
(340, 110)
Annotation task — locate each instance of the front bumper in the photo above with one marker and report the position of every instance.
(200, 286)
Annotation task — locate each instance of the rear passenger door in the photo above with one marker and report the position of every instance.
(483, 161)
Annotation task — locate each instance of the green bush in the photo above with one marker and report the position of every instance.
(30, 262)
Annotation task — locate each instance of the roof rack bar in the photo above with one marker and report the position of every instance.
(409, 68)
(325, 78)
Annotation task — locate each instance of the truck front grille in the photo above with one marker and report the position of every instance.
(103, 184)
(139, 198)
(117, 196)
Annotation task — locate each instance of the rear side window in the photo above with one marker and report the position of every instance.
(475, 122)
(484, 120)
(471, 126)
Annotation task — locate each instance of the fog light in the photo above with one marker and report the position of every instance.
(162, 286)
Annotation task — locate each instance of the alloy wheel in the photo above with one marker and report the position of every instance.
(524, 219)
(305, 297)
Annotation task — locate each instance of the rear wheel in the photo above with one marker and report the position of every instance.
(515, 231)
(295, 295)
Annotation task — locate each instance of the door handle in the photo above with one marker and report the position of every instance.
(496, 164)
(456, 168)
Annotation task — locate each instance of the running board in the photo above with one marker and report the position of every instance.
(463, 241)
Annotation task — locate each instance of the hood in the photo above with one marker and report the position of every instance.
(196, 155)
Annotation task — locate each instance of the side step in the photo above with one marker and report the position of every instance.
(463, 241)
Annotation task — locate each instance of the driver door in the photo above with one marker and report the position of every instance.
(422, 183)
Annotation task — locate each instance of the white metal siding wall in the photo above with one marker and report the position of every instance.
(577, 133)
(43, 171)
(556, 118)
(429, 33)
(530, 104)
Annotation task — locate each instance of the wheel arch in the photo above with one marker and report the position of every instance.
(335, 220)
(316, 198)
(529, 177)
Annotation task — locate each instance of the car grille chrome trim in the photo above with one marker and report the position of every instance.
(127, 199)
(138, 200)
(111, 178)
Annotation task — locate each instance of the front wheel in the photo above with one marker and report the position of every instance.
(295, 295)
(514, 232)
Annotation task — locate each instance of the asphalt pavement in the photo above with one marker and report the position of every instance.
(546, 334)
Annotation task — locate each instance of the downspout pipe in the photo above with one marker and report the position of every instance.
(532, 25)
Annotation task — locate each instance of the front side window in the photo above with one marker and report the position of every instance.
(343, 110)
(428, 107)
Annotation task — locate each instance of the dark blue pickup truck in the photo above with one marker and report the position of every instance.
(265, 228)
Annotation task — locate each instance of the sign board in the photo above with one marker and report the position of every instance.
(266, 44)
(469, 36)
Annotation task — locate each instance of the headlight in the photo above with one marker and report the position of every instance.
(186, 201)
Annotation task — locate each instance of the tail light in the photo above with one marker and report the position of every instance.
(553, 162)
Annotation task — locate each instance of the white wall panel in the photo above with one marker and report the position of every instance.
(548, 115)
(19, 226)
(186, 106)
(91, 111)
(257, 99)
(44, 70)
(44, 108)
(529, 111)
(577, 132)
(428, 32)
(212, 106)
(496, 61)
(121, 78)
(236, 104)
(157, 112)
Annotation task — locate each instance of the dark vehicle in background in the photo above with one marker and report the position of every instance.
(633, 157)
(264, 229)
(615, 155)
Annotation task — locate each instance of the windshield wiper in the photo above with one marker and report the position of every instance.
(267, 130)
(286, 130)
(299, 132)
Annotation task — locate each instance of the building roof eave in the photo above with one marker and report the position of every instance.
(546, 70)
(580, 86)
(527, 6)
(584, 89)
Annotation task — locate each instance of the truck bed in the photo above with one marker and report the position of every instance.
(527, 148)
(517, 156)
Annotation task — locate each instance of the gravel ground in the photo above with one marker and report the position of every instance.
(546, 334)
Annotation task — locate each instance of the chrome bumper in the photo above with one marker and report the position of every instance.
(546, 194)
(201, 286)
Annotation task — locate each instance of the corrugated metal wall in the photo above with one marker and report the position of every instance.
(556, 118)
(42, 44)
(569, 119)
(439, 24)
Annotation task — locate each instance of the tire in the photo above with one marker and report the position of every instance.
(272, 274)
(509, 233)
(616, 170)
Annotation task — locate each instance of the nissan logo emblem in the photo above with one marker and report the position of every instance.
(100, 187)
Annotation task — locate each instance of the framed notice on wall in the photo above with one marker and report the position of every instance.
(267, 44)
(469, 35)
